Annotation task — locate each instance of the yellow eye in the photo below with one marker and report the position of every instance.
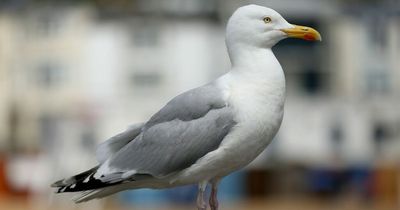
(267, 19)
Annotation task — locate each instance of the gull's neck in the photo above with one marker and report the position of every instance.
(256, 63)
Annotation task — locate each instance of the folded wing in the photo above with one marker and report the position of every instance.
(187, 128)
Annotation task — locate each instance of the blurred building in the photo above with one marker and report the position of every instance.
(72, 75)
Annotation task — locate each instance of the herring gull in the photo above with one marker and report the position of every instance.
(208, 132)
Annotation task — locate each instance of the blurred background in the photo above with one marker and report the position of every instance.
(74, 73)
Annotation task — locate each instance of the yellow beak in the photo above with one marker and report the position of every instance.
(303, 32)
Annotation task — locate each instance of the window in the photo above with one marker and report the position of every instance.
(376, 31)
(146, 79)
(380, 135)
(45, 24)
(377, 81)
(337, 137)
(49, 130)
(48, 25)
(49, 75)
(311, 81)
(146, 35)
(375, 62)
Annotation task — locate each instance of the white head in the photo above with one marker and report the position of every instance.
(263, 27)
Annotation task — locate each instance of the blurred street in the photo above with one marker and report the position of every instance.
(298, 203)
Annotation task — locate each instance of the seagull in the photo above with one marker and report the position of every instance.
(206, 133)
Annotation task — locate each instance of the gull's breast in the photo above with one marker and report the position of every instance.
(259, 113)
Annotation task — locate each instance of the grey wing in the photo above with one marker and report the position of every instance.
(109, 147)
(187, 128)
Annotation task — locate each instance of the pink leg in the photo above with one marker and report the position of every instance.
(201, 204)
(213, 197)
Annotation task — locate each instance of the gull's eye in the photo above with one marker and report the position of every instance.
(267, 19)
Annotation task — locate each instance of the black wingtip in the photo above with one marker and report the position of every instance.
(89, 183)
(66, 183)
